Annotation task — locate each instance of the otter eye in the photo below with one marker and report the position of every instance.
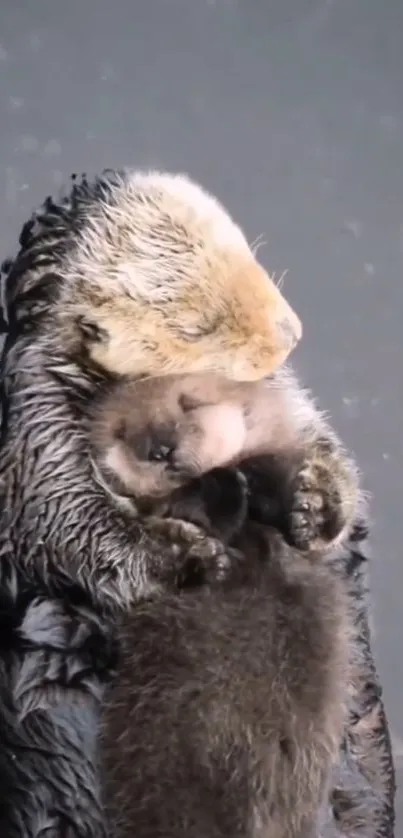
(91, 331)
(194, 332)
(188, 402)
(201, 328)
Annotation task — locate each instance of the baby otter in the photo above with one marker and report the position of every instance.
(151, 435)
(190, 423)
(228, 707)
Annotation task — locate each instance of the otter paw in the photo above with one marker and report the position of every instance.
(323, 498)
(207, 563)
(195, 557)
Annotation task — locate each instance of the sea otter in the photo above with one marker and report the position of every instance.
(131, 273)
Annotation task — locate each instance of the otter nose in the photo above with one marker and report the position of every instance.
(291, 330)
(289, 327)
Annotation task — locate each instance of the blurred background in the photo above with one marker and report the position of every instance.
(291, 111)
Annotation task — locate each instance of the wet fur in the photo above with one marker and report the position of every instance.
(83, 263)
(226, 734)
(228, 708)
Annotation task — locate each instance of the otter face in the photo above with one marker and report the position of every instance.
(163, 281)
(153, 435)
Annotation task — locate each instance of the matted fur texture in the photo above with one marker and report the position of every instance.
(85, 301)
(239, 689)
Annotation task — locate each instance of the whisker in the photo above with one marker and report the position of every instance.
(257, 243)
(280, 281)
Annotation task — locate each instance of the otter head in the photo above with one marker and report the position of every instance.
(151, 436)
(159, 279)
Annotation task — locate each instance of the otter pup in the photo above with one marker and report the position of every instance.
(228, 707)
(193, 422)
(131, 273)
(196, 423)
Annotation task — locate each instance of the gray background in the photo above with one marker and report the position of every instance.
(291, 111)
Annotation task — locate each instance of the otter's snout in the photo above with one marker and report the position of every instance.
(290, 328)
(287, 327)
(283, 326)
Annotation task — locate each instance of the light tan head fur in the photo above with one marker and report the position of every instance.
(162, 280)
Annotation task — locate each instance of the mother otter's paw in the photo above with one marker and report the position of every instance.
(324, 496)
(189, 556)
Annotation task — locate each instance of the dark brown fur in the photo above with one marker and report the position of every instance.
(228, 708)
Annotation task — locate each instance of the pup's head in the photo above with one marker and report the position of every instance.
(153, 435)
(160, 279)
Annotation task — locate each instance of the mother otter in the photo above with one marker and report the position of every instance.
(131, 273)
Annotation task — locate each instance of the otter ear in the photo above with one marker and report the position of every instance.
(91, 331)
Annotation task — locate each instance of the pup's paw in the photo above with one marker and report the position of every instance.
(324, 495)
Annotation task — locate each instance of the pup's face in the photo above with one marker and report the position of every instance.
(165, 282)
(153, 435)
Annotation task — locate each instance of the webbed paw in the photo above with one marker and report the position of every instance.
(324, 494)
(190, 557)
